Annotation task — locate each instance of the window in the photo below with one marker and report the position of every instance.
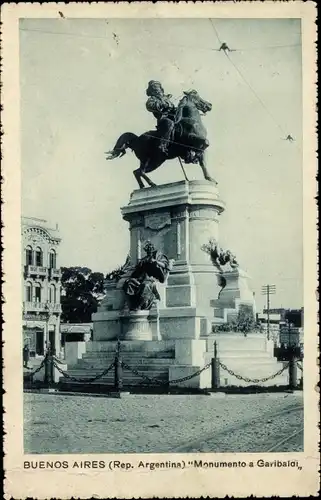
(52, 259)
(29, 256)
(38, 257)
(52, 294)
(37, 292)
(28, 292)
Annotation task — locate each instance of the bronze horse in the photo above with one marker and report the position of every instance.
(189, 142)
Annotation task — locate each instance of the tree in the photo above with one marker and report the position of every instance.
(244, 322)
(82, 290)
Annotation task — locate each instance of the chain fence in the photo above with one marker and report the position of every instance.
(253, 380)
(162, 382)
(30, 375)
(50, 361)
(84, 380)
(57, 360)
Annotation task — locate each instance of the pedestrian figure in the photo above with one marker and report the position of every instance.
(26, 355)
(48, 348)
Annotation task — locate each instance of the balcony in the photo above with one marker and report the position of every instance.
(41, 307)
(55, 308)
(34, 307)
(37, 271)
(55, 273)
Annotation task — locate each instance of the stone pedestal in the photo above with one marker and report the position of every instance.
(235, 293)
(136, 326)
(178, 218)
(74, 352)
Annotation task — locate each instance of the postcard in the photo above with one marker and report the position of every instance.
(160, 249)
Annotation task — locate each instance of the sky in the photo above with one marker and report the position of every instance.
(83, 84)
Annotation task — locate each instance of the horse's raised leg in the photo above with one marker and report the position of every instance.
(203, 167)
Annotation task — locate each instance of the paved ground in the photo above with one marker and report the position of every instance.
(157, 423)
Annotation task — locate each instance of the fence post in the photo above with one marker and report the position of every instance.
(47, 369)
(51, 370)
(292, 369)
(215, 369)
(118, 375)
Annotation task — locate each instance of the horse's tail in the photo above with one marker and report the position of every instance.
(126, 140)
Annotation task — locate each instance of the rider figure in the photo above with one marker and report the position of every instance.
(164, 111)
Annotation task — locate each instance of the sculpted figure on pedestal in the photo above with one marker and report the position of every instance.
(140, 289)
(180, 133)
(220, 257)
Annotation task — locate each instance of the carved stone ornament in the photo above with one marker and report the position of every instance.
(37, 235)
(158, 221)
(137, 220)
(203, 213)
(179, 213)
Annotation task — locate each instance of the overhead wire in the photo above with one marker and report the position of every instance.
(184, 46)
(247, 82)
(197, 48)
(78, 35)
(215, 31)
(255, 94)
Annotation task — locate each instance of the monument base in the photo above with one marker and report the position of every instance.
(179, 363)
(234, 294)
(172, 340)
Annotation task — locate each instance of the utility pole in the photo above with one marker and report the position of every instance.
(268, 290)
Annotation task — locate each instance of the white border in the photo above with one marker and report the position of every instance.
(21, 483)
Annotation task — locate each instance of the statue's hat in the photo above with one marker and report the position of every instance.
(151, 85)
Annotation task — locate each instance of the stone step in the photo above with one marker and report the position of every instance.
(258, 371)
(249, 364)
(77, 371)
(250, 367)
(85, 362)
(151, 355)
(242, 354)
(238, 342)
(238, 348)
(134, 355)
(152, 346)
(127, 377)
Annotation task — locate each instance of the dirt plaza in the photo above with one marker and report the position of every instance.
(55, 423)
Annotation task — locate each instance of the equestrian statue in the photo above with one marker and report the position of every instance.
(179, 134)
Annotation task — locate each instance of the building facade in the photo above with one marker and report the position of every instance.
(41, 286)
(76, 332)
(280, 320)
